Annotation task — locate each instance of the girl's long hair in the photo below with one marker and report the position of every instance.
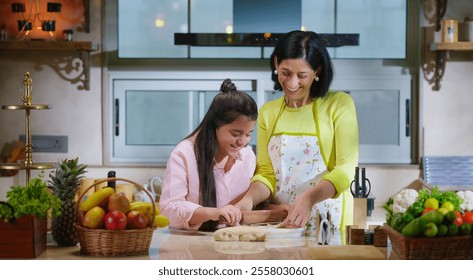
(226, 107)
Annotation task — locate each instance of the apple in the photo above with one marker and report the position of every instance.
(119, 201)
(136, 220)
(94, 218)
(115, 220)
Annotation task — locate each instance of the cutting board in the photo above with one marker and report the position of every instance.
(346, 252)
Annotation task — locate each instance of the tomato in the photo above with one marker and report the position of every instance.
(458, 219)
(468, 217)
(427, 210)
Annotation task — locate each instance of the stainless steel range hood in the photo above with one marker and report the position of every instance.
(261, 23)
(255, 39)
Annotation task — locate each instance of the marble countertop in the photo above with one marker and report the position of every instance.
(183, 245)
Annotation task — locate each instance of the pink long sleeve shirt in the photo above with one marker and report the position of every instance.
(180, 193)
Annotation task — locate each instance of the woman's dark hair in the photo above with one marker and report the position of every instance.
(226, 107)
(309, 46)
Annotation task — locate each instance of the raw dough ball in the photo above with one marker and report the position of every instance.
(240, 233)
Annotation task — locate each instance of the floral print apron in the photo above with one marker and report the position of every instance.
(298, 166)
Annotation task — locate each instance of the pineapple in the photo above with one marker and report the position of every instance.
(65, 182)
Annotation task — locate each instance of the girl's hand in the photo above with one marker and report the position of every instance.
(230, 215)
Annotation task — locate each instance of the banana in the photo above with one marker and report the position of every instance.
(97, 198)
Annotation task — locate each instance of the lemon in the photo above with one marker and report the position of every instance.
(431, 203)
(443, 210)
(160, 221)
(448, 205)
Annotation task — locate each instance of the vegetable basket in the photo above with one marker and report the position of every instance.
(430, 248)
(103, 242)
(23, 237)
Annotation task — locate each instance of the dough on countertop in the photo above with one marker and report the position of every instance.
(240, 233)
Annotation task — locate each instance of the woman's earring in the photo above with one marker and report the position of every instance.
(275, 71)
(316, 78)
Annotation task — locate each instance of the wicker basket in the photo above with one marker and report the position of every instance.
(434, 248)
(102, 242)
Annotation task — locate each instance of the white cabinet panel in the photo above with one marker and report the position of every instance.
(146, 28)
(380, 23)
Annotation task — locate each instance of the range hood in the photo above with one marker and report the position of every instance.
(261, 23)
(255, 39)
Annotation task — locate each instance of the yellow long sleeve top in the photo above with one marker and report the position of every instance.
(337, 131)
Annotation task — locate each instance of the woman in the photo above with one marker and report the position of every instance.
(307, 145)
(212, 167)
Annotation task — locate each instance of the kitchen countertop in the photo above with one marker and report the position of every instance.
(183, 245)
(177, 245)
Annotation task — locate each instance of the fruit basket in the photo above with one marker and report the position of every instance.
(104, 242)
(430, 248)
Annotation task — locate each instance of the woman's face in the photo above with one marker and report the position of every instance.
(234, 136)
(295, 76)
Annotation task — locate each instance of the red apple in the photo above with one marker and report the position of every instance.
(115, 220)
(136, 220)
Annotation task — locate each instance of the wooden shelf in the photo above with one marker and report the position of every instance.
(442, 49)
(48, 45)
(61, 66)
(446, 46)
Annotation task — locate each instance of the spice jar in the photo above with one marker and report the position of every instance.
(67, 34)
(450, 30)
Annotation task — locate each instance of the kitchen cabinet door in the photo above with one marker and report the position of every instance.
(146, 28)
(319, 16)
(381, 24)
(216, 16)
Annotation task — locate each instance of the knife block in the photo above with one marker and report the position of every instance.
(360, 210)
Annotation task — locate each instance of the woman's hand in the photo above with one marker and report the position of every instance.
(301, 208)
(229, 215)
(299, 212)
(278, 207)
(256, 193)
(245, 204)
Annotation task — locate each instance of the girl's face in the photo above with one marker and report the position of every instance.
(296, 76)
(234, 136)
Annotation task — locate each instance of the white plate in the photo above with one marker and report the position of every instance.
(272, 233)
